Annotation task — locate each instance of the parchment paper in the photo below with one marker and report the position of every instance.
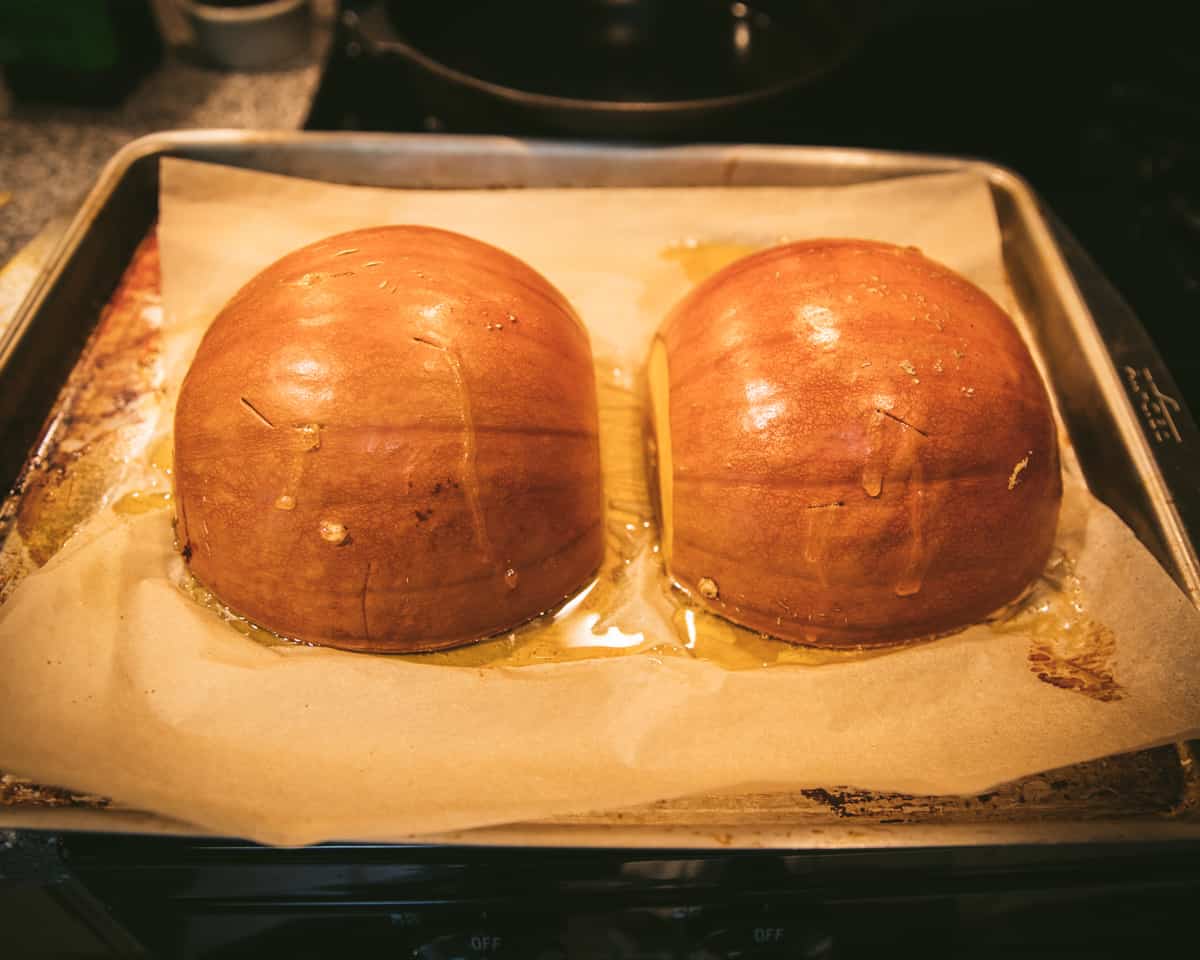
(113, 681)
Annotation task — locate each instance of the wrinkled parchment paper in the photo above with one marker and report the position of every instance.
(114, 682)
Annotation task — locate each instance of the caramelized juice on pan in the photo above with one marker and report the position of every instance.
(1067, 648)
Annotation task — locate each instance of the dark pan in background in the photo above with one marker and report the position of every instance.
(624, 69)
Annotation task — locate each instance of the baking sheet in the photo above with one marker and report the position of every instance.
(166, 708)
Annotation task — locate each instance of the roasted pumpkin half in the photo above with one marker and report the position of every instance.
(387, 441)
(854, 446)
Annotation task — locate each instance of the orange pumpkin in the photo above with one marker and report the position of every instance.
(854, 446)
(387, 441)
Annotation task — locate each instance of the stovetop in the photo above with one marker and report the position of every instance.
(1099, 111)
(1097, 108)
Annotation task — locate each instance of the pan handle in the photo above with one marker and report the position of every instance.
(384, 40)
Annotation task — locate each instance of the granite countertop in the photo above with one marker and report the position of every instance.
(50, 155)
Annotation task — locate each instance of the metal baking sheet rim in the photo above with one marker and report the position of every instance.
(728, 160)
(717, 835)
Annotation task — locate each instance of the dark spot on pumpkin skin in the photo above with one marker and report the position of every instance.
(437, 488)
(422, 515)
(187, 551)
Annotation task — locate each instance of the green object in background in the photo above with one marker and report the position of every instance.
(77, 34)
(77, 51)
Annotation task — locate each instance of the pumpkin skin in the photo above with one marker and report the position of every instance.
(387, 442)
(854, 445)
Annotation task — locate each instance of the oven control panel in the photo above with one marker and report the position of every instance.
(710, 932)
(210, 899)
(650, 933)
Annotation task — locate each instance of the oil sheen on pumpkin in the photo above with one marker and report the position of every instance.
(387, 441)
(854, 446)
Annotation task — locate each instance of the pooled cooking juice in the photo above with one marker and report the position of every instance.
(141, 501)
(156, 493)
(701, 260)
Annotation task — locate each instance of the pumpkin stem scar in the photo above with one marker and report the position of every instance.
(901, 421)
(468, 470)
(258, 413)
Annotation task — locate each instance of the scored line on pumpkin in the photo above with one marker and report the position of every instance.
(363, 601)
(258, 413)
(901, 421)
(469, 470)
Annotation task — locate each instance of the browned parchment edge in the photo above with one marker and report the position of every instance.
(78, 456)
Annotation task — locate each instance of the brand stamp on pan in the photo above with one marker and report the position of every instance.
(1156, 407)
